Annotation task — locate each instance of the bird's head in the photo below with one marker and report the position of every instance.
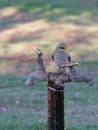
(62, 46)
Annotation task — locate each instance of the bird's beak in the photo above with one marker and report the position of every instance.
(65, 49)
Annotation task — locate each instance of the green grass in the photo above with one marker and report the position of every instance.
(23, 108)
(52, 10)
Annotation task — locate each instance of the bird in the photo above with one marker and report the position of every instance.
(60, 55)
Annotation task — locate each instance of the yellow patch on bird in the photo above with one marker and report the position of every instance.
(64, 48)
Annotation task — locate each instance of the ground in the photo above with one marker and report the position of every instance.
(25, 26)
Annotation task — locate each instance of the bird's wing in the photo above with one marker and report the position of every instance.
(69, 58)
(53, 56)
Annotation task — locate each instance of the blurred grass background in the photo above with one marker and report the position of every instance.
(27, 25)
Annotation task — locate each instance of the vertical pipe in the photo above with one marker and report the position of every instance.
(55, 106)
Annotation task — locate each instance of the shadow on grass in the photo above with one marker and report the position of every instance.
(36, 35)
(77, 12)
(15, 18)
(48, 10)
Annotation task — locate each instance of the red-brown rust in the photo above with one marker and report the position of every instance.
(55, 106)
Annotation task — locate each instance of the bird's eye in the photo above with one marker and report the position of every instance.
(62, 47)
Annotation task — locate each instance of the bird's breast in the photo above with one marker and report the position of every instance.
(61, 58)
